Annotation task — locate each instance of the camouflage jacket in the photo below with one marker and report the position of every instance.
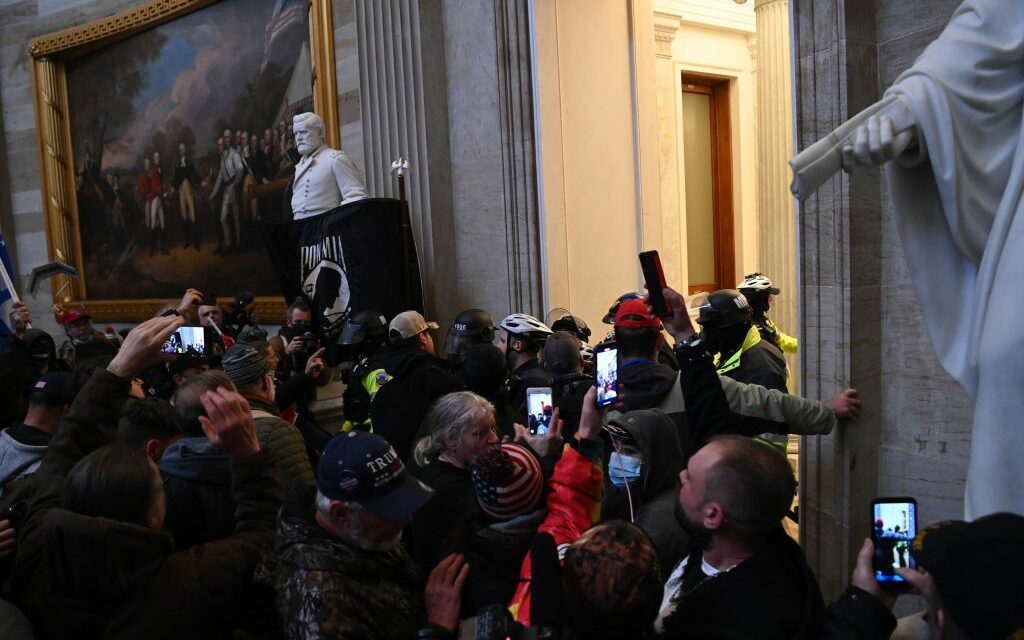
(329, 589)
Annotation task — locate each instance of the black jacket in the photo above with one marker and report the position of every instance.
(646, 384)
(398, 408)
(83, 577)
(762, 364)
(442, 523)
(529, 374)
(197, 482)
(770, 595)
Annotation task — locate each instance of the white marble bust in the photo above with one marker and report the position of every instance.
(324, 177)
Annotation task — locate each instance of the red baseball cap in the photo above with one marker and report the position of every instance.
(74, 314)
(632, 314)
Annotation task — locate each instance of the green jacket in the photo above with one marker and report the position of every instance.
(282, 440)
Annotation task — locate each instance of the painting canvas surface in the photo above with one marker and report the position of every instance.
(172, 129)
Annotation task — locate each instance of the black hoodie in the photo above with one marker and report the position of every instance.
(646, 384)
(656, 493)
(398, 408)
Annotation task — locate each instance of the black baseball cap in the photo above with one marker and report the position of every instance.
(364, 468)
(977, 567)
(53, 388)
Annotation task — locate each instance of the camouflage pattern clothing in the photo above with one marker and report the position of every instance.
(327, 588)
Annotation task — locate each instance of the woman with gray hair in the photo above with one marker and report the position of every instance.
(459, 427)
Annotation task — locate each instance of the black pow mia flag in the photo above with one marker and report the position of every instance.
(354, 257)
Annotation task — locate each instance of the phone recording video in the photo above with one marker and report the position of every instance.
(654, 279)
(540, 408)
(606, 375)
(190, 340)
(893, 527)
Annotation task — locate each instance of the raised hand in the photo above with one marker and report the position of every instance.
(143, 347)
(543, 445)
(228, 423)
(444, 591)
(592, 417)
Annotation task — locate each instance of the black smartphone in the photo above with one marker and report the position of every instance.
(654, 278)
(539, 407)
(606, 373)
(893, 527)
(191, 340)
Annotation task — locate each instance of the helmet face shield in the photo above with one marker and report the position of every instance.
(456, 343)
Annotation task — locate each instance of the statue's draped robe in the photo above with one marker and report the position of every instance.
(959, 221)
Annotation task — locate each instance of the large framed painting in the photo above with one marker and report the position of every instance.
(134, 114)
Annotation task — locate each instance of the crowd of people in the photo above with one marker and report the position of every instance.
(148, 494)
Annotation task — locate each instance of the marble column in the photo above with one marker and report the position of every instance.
(841, 310)
(673, 251)
(403, 95)
(775, 205)
(518, 155)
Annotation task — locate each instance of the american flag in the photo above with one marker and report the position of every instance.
(6, 296)
(287, 14)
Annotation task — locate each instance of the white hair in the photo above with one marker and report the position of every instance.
(323, 504)
(310, 120)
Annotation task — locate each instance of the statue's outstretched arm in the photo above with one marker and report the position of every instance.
(878, 134)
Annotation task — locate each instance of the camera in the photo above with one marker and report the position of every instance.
(241, 312)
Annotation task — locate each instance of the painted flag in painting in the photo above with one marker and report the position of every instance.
(287, 14)
(345, 260)
(6, 298)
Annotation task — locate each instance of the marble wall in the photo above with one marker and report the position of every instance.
(21, 209)
(860, 320)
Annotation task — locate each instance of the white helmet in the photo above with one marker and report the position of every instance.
(757, 282)
(525, 325)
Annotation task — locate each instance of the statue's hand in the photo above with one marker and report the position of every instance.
(876, 143)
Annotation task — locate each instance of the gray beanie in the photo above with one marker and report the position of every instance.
(244, 365)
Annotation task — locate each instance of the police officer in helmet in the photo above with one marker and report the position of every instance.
(472, 326)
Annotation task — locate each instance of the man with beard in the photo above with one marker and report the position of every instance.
(743, 576)
(339, 568)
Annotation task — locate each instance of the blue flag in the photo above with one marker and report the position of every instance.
(6, 297)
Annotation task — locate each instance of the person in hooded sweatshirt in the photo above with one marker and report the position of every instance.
(642, 484)
(197, 475)
(23, 444)
(645, 382)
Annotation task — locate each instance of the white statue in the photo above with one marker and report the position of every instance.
(324, 177)
(953, 122)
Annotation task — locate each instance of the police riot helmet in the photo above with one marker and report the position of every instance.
(724, 308)
(472, 326)
(365, 329)
(560, 319)
(609, 318)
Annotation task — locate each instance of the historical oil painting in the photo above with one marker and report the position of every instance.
(183, 143)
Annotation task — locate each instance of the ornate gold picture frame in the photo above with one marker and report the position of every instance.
(59, 54)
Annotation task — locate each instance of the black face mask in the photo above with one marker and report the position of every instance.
(298, 328)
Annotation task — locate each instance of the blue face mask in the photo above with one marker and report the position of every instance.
(623, 469)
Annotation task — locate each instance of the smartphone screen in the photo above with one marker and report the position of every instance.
(654, 278)
(539, 408)
(893, 527)
(190, 340)
(606, 375)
